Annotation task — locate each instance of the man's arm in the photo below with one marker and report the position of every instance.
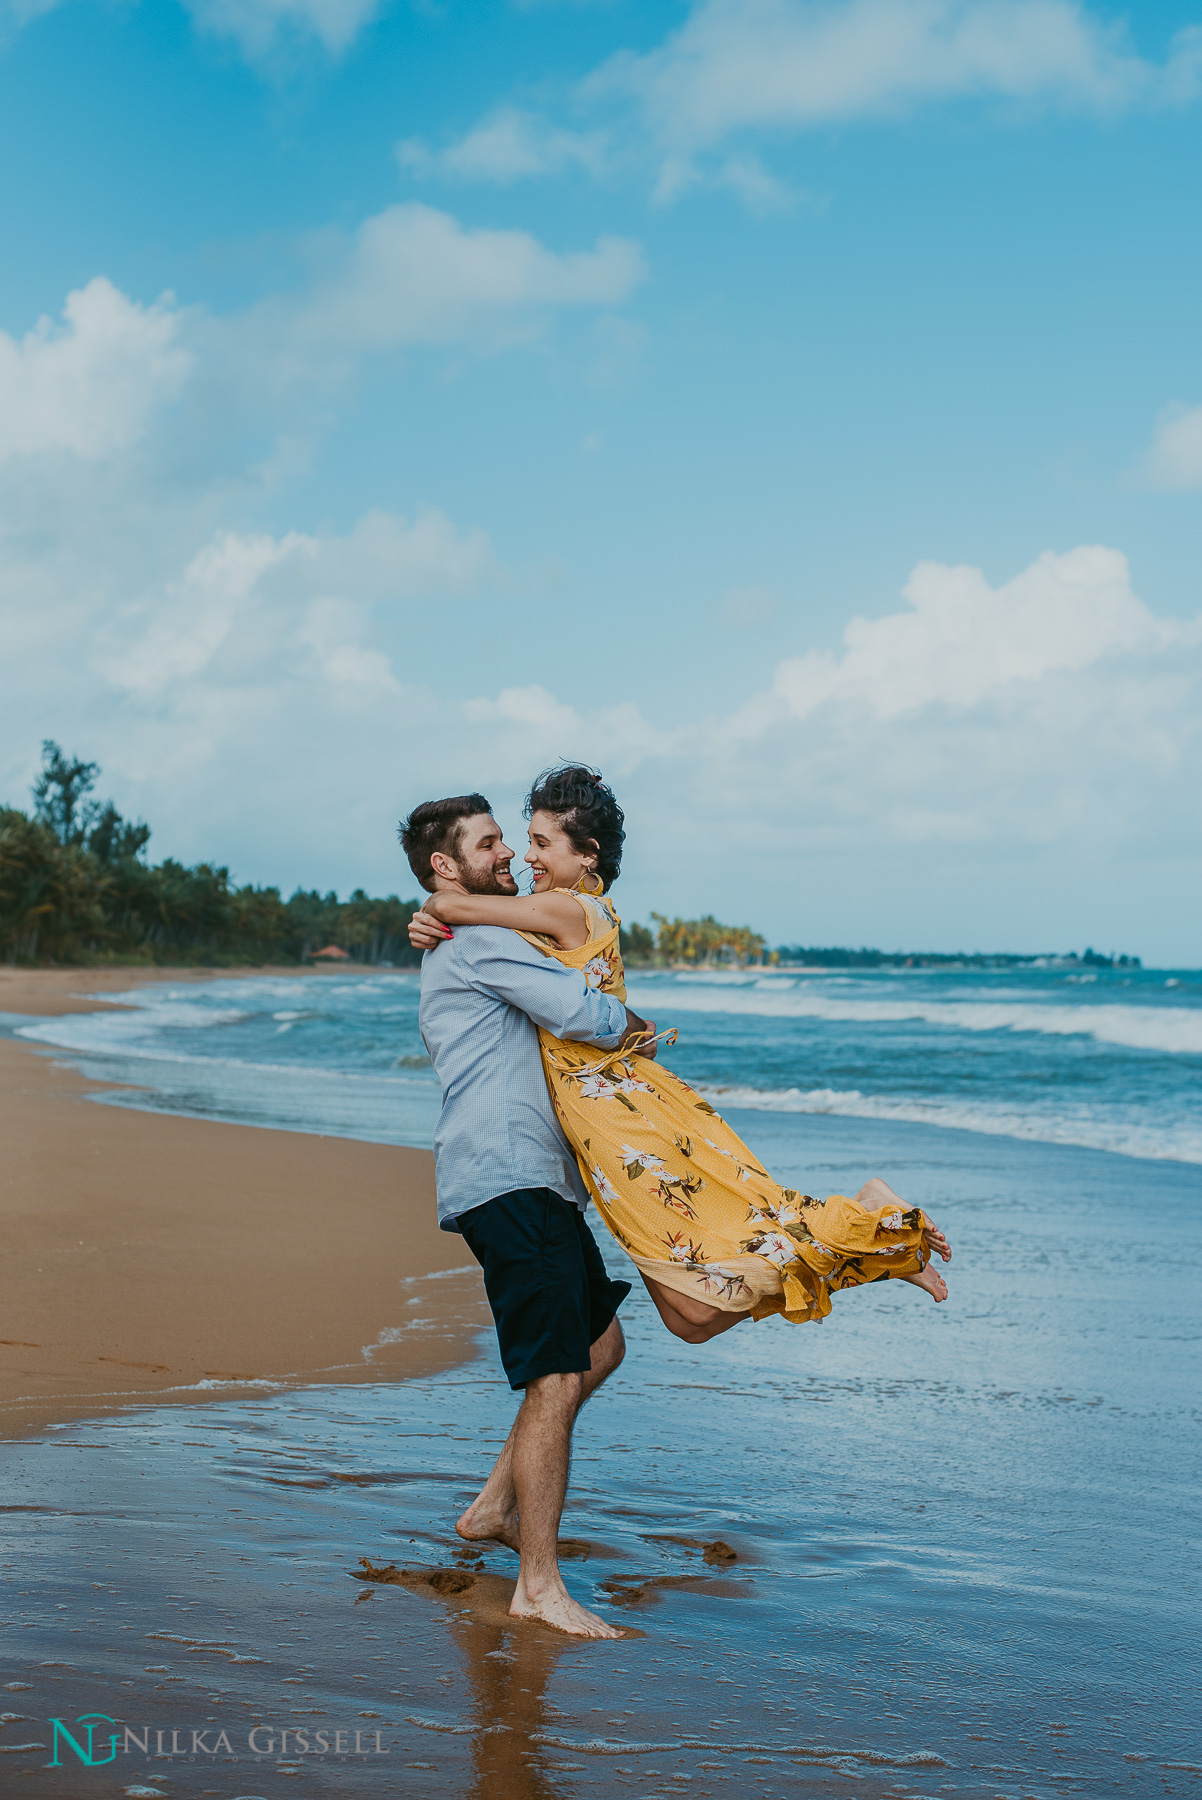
(554, 996)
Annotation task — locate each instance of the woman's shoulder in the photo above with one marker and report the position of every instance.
(599, 911)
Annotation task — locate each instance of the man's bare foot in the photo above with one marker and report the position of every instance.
(479, 1526)
(934, 1284)
(555, 1606)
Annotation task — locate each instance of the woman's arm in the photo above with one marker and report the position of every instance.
(556, 916)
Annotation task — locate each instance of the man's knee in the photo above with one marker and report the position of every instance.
(608, 1351)
(555, 1393)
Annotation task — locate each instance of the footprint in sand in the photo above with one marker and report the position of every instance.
(717, 1553)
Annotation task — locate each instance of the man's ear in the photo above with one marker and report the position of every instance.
(444, 867)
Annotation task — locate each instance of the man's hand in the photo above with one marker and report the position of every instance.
(637, 1030)
(425, 932)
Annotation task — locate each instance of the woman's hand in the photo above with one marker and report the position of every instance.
(425, 931)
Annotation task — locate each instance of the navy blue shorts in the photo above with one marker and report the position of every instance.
(546, 1283)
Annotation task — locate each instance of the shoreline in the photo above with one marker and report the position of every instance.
(49, 993)
(153, 1259)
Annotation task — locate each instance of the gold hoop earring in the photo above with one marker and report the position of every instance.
(600, 887)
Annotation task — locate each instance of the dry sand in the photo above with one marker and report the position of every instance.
(144, 1254)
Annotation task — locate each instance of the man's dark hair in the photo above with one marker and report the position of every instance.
(588, 814)
(436, 828)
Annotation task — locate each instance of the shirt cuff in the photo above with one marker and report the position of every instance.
(610, 1040)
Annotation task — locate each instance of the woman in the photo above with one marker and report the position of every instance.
(714, 1237)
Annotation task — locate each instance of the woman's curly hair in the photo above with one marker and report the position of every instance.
(587, 812)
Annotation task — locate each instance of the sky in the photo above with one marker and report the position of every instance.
(792, 408)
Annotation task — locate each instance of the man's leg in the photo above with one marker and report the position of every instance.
(541, 1456)
(493, 1513)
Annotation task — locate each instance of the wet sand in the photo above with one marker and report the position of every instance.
(156, 1257)
(956, 1533)
(52, 992)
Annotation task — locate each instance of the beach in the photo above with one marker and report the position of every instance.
(913, 1553)
(151, 1257)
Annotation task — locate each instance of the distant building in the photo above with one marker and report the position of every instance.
(331, 953)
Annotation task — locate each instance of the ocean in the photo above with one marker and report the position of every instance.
(1107, 1060)
(959, 1537)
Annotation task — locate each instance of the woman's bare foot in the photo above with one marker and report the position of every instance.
(555, 1606)
(935, 1240)
(480, 1526)
(926, 1278)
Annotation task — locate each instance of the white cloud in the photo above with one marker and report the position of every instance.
(1174, 460)
(249, 604)
(739, 64)
(963, 642)
(760, 191)
(245, 698)
(508, 145)
(259, 27)
(1054, 716)
(414, 275)
(90, 385)
(14, 14)
(94, 384)
(262, 29)
(752, 66)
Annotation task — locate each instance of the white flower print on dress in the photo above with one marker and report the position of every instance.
(600, 1087)
(637, 1162)
(774, 1247)
(605, 1187)
(597, 971)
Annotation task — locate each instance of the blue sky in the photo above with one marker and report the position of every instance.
(792, 406)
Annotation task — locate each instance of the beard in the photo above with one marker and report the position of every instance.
(496, 879)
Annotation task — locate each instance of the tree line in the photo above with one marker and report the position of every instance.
(832, 958)
(76, 886)
(694, 942)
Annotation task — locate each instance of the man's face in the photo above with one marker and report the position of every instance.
(484, 857)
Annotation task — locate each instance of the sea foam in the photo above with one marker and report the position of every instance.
(1173, 1030)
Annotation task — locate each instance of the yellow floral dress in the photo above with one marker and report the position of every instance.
(684, 1196)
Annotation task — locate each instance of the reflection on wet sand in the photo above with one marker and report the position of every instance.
(507, 1664)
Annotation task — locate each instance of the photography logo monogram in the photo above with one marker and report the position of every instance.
(86, 1723)
(94, 1748)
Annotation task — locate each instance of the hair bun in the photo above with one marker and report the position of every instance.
(587, 811)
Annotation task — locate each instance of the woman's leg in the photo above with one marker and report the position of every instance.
(690, 1319)
(877, 1193)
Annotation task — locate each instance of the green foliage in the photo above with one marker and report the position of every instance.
(637, 945)
(833, 958)
(705, 941)
(75, 886)
(60, 794)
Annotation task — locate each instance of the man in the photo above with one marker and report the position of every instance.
(508, 1181)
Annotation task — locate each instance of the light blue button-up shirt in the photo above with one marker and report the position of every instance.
(485, 992)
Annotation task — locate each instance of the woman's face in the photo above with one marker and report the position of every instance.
(553, 861)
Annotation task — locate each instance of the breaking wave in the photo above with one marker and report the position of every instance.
(1079, 1125)
(1176, 1030)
